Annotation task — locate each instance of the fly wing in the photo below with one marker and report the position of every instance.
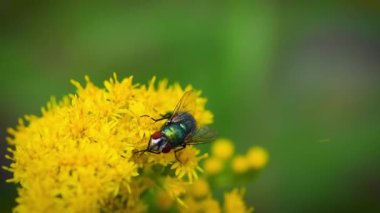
(187, 103)
(205, 134)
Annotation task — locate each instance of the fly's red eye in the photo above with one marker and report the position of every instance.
(157, 135)
(167, 148)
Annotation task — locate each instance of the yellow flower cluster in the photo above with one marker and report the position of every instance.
(200, 199)
(256, 158)
(222, 151)
(80, 154)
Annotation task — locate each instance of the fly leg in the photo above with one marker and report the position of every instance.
(163, 117)
(147, 148)
(176, 151)
(156, 119)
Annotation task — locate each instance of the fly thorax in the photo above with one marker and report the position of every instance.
(183, 126)
(175, 133)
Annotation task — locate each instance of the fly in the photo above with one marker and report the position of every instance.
(180, 129)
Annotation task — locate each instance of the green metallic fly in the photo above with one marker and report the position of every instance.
(180, 130)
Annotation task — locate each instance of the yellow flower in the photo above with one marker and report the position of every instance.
(188, 163)
(257, 157)
(213, 166)
(199, 198)
(200, 188)
(126, 201)
(164, 201)
(79, 155)
(222, 149)
(234, 203)
(240, 164)
(208, 204)
(174, 188)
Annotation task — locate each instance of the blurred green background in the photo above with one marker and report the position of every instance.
(300, 79)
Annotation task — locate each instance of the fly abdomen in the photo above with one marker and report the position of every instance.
(187, 122)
